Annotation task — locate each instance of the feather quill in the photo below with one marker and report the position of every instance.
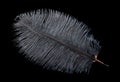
(56, 41)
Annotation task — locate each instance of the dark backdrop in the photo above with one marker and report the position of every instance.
(97, 15)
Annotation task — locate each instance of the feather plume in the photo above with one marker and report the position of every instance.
(56, 41)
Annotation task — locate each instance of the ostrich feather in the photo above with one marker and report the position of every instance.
(56, 41)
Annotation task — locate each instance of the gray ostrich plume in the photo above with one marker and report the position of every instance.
(56, 41)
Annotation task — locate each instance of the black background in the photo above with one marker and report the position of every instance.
(100, 16)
